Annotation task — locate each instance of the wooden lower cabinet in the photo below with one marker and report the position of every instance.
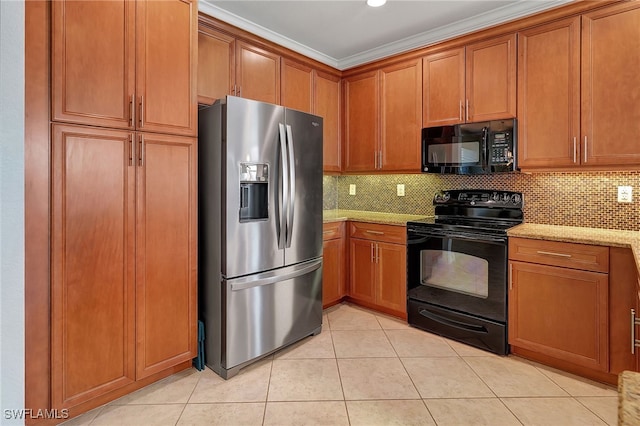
(560, 312)
(333, 271)
(570, 306)
(378, 268)
(123, 235)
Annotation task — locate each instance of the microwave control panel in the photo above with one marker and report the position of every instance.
(500, 151)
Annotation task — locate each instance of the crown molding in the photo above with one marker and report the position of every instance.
(272, 36)
(497, 16)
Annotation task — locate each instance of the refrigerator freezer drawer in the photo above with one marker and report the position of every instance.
(271, 310)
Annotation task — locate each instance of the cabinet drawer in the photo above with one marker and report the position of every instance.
(568, 255)
(332, 231)
(373, 231)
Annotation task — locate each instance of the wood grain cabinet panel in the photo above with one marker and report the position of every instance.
(93, 62)
(92, 263)
(443, 88)
(491, 79)
(296, 84)
(401, 117)
(549, 108)
(216, 65)
(362, 270)
(257, 73)
(125, 64)
(166, 240)
(378, 267)
(610, 82)
(333, 264)
(560, 312)
(361, 117)
(166, 66)
(327, 105)
(470, 84)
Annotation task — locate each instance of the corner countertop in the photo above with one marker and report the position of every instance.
(370, 217)
(576, 234)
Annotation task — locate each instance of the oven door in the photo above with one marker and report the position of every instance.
(465, 272)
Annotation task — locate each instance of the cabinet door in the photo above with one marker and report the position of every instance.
(332, 272)
(560, 312)
(93, 62)
(361, 270)
(391, 283)
(401, 116)
(549, 108)
(327, 105)
(610, 82)
(297, 86)
(443, 88)
(257, 73)
(166, 252)
(623, 274)
(92, 263)
(491, 79)
(216, 65)
(167, 51)
(361, 127)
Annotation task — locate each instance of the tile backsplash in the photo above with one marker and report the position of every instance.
(573, 199)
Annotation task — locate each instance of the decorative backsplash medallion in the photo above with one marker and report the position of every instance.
(586, 199)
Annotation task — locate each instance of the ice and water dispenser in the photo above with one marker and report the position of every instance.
(254, 191)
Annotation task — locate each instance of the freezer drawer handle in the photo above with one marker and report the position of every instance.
(271, 278)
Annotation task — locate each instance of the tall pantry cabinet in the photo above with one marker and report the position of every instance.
(123, 193)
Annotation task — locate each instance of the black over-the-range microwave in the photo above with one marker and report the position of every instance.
(470, 149)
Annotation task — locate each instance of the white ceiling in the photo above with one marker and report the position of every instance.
(347, 33)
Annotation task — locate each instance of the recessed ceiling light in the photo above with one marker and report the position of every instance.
(376, 3)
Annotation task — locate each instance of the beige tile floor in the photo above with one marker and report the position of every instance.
(368, 369)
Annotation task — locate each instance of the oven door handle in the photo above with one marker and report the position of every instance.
(457, 324)
(454, 236)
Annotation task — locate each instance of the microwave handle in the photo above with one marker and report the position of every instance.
(485, 148)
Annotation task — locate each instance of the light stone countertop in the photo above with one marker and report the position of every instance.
(371, 217)
(575, 234)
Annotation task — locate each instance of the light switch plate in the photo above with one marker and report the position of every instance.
(625, 194)
(352, 189)
(400, 190)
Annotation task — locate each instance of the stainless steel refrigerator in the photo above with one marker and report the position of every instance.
(260, 229)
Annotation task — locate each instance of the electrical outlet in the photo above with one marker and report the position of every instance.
(400, 190)
(625, 194)
(352, 189)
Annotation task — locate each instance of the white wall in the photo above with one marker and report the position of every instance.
(12, 27)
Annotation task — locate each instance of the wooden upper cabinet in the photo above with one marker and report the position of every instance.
(166, 316)
(443, 88)
(296, 85)
(167, 54)
(610, 82)
(93, 62)
(470, 84)
(327, 105)
(401, 116)
(125, 64)
(92, 263)
(361, 126)
(549, 108)
(216, 65)
(491, 79)
(257, 73)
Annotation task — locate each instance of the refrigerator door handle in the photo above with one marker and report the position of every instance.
(283, 202)
(272, 277)
(292, 183)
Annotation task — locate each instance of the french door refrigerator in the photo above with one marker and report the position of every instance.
(260, 230)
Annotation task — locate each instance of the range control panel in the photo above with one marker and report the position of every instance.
(479, 198)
